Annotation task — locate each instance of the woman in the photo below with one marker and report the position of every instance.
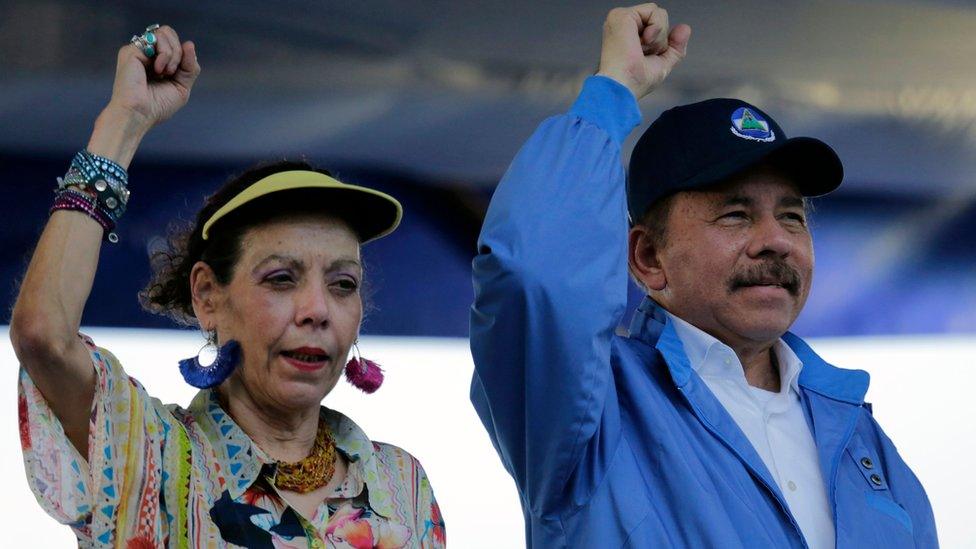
(271, 271)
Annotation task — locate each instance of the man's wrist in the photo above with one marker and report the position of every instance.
(607, 103)
(625, 82)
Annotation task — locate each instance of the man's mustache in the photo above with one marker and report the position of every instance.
(770, 272)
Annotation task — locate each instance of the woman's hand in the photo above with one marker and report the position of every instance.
(154, 89)
(146, 92)
(45, 320)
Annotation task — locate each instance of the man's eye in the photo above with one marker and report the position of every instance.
(796, 217)
(736, 215)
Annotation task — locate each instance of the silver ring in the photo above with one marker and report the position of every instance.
(146, 42)
(145, 47)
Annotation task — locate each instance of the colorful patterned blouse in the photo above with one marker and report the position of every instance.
(160, 475)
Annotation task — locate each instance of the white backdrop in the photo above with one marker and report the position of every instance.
(921, 389)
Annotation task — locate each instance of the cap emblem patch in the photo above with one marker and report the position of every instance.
(750, 125)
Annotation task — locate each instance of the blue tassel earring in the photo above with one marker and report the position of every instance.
(205, 377)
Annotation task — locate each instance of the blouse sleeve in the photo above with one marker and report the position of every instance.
(115, 492)
(430, 521)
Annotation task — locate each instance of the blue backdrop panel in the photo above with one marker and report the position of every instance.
(885, 265)
(418, 280)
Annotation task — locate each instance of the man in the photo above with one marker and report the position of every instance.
(709, 425)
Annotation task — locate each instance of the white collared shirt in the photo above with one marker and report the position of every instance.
(773, 422)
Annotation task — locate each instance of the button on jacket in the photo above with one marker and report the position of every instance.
(616, 441)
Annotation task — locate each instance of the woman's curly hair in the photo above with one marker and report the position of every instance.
(168, 292)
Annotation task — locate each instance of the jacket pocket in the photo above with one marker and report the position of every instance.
(878, 497)
(890, 508)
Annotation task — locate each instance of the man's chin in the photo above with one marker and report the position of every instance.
(761, 328)
(762, 320)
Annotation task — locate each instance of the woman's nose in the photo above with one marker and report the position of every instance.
(313, 305)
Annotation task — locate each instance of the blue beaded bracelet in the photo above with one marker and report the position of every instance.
(104, 181)
(93, 165)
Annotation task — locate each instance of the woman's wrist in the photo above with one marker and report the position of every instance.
(117, 134)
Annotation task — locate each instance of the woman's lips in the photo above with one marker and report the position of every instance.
(304, 365)
(308, 351)
(306, 358)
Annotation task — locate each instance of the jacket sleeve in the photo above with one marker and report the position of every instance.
(550, 282)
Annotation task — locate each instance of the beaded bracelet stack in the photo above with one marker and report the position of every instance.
(97, 187)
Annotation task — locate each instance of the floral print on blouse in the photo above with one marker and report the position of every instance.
(163, 476)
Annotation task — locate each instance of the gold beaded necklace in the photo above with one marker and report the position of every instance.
(312, 472)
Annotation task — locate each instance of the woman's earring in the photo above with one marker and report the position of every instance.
(205, 377)
(364, 374)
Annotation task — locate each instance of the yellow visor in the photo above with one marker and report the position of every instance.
(372, 214)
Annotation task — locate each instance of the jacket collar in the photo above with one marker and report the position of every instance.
(826, 379)
(832, 397)
(651, 323)
(652, 326)
(241, 461)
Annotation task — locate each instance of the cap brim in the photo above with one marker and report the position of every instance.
(370, 213)
(812, 164)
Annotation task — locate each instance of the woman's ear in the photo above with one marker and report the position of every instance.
(643, 260)
(205, 293)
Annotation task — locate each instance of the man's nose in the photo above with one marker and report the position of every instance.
(770, 237)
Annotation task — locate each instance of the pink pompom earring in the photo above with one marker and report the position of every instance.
(364, 374)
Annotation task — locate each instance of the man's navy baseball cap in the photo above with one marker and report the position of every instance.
(702, 144)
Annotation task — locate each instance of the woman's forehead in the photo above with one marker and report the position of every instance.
(303, 238)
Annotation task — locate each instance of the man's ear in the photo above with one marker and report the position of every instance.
(642, 258)
(205, 293)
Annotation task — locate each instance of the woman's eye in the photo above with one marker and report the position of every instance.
(347, 285)
(279, 279)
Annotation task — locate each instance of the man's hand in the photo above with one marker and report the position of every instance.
(638, 49)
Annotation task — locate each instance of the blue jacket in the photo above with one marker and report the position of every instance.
(614, 441)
